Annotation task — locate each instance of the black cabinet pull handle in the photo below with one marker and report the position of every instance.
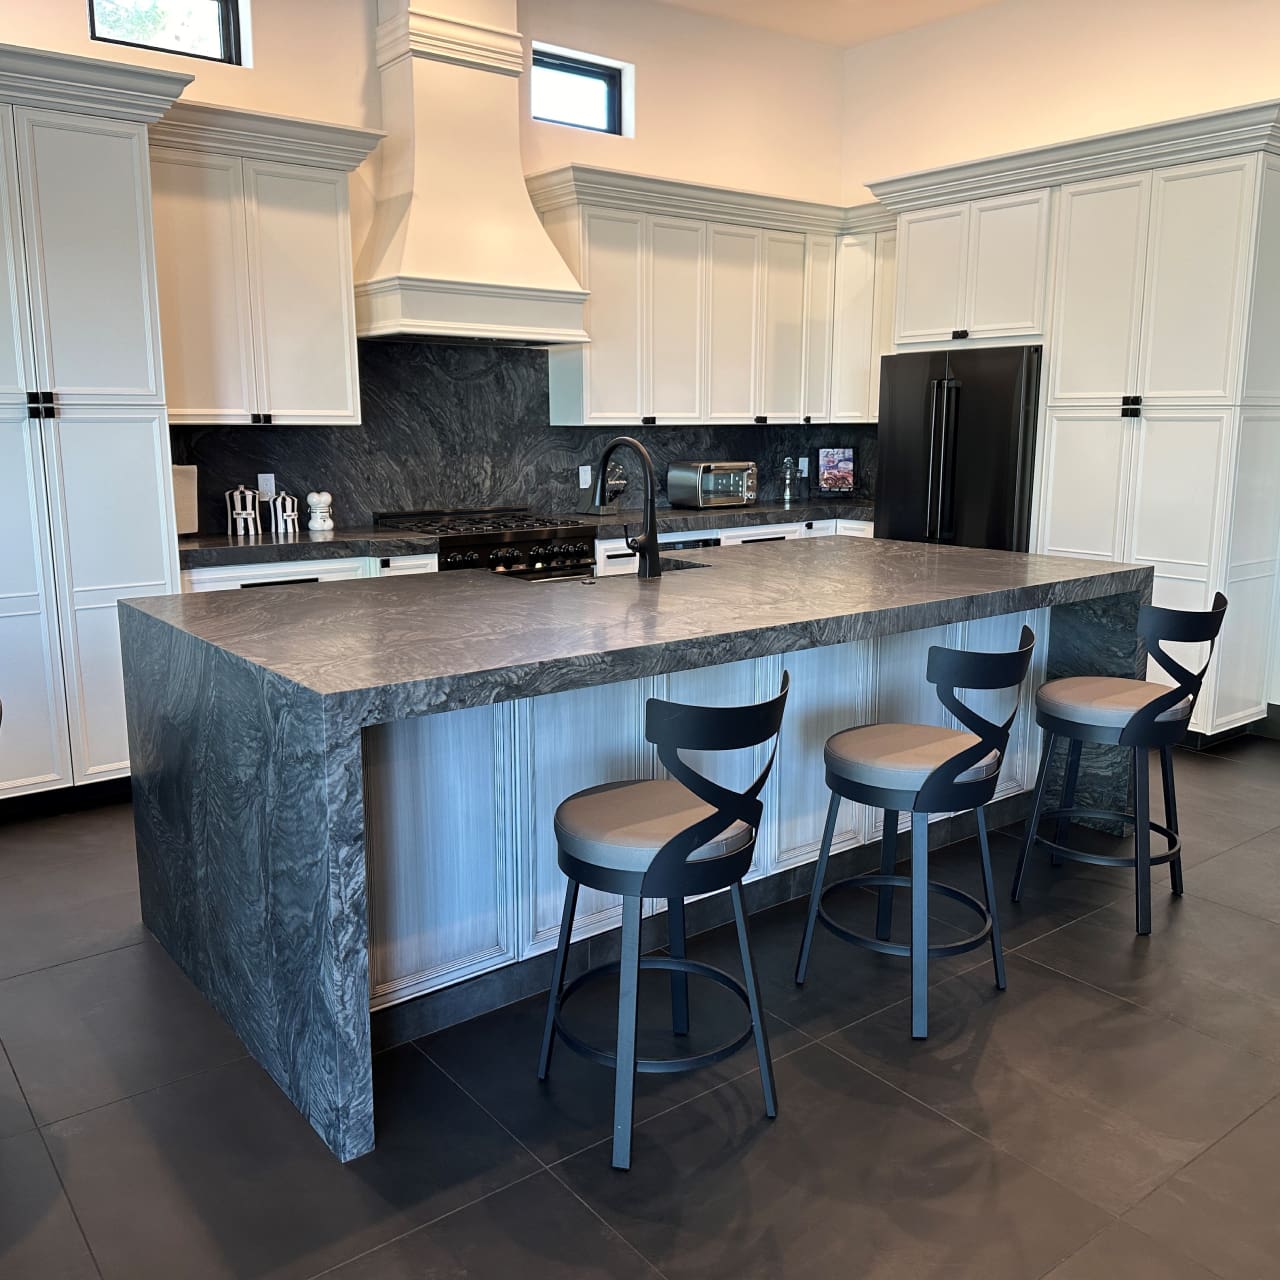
(808, 418)
(648, 421)
(957, 334)
(761, 420)
(255, 419)
(266, 419)
(1131, 411)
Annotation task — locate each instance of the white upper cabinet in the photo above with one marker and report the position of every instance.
(86, 196)
(304, 302)
(613, 272)
(733, 323)
(882, 306)
(198, 198)
(782, 309)
(933, 246)
(675, 318)
(16, 368)
(819, 317)
(854, 328)
(1198, 259)
(1097, 318)
(975, 270)
(1262, 369)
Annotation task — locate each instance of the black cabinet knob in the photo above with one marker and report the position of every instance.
(958, 334)
(761, 420)
(649, 421)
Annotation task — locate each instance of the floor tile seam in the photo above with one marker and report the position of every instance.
(71, 1204)
(1199, 1262)
(1106, 1226)
(22, 1093)
(142, 1093)
(613, 1231)
(990, 1142)
(431, 1222)
(62, 964)
(684, 1102)
(1066, 924)
(457, 1084)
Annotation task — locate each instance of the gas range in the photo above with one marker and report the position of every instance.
(509, 540)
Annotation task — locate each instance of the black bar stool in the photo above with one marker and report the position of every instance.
(1141, 715)
(922, 769)
(668, 838)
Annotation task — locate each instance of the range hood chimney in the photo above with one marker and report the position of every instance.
(456, 249)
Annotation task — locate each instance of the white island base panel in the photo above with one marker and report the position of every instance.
(458, 806)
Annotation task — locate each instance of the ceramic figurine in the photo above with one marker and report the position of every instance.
(320, 506)
(284, 513)
(242, 511)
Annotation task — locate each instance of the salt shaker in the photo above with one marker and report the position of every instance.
(788, 475)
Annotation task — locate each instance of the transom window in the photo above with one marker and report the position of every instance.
(575, 90)
(197, 28)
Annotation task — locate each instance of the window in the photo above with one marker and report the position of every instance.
(576, 90)
(197, 28)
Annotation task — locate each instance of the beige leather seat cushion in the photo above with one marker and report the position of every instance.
(901, 756)
(1105, 701)
(621, 825)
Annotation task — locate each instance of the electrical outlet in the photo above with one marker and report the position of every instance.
(804, 465)
(584, 477)
(267, 483)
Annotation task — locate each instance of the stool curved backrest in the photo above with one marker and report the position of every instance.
(950, 670)
(1157, 627)
(674, 727)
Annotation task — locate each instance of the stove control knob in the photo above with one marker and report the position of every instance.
(454, 557)
(472, 557)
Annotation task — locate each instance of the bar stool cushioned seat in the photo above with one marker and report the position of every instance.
(902, 756)
(622, 825)
(1105, 700)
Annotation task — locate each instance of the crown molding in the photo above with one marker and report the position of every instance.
(199, 126)
(582, 184)
(68, 82)
(1205, 137)
(419, 34)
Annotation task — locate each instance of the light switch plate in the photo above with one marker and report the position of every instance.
(584, 477)
(267, 483)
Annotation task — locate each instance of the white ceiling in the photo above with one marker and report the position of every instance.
(839, 22)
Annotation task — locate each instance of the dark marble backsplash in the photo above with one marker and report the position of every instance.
(467, 426)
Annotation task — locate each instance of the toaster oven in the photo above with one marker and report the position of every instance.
(711, 484)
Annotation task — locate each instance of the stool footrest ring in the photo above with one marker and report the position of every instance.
(692, 1062)
(936, 950)
(1106, 859)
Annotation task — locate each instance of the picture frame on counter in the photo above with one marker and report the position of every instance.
(836, 472)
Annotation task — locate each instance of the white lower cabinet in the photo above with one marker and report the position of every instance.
(232, 577)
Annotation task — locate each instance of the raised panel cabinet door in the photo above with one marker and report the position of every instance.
(677, 257)
(819, 318)
(932, 258)
(882, 331)
(34, 750)
(1197, 282)
(202, 270)
(1262, 369)
(1008, 265)
(782, 307)
(438, 817)
(303, 299)
(111, 502)
(733, 324)
(86, 222)
(854, 328)
(1085, 489)
(1101, 262)
(17, 369)
(613, 255)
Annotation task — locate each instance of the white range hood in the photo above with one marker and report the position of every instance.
(456, 249)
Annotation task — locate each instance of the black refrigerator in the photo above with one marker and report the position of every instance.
(957, 442)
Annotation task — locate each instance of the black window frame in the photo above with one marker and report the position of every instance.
(610, 76)
(228, 25)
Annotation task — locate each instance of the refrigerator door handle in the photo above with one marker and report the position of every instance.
(946, 480)
(933, 444)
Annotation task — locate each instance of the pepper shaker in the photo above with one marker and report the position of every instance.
(788, 477)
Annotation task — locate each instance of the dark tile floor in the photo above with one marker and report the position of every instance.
(1116, 1112)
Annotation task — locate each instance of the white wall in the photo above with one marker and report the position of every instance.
(311, 58)
(716, 102)
(1029, 72)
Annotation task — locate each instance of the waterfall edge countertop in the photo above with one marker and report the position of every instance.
(441, 642)
(215, 550)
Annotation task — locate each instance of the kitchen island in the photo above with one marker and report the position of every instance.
(280, 737)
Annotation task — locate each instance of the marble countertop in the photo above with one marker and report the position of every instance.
(213, 550)
(378, 649)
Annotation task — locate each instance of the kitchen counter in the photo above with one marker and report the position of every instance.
(249, 715)
(209, 550)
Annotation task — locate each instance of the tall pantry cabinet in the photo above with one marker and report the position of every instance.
(86, 513)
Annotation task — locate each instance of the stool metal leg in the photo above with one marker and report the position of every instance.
(624, 1089)
(989, 889)
(1142, 835)
(815, 898)
(1171, 815)
(888, 860)
(557, 977)
(752, 984)
(919, 925)
(1068, 798)
(679, 981)
(1033, 821)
